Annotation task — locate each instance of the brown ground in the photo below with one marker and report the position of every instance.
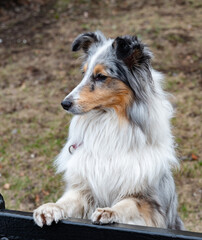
(37, 69)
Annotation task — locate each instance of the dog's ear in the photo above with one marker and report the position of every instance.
(85, 40)
(131, 51)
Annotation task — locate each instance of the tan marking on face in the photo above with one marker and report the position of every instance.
(85, 67)
(111, 94)
(99, 68)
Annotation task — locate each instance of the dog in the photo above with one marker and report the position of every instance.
(120, 151)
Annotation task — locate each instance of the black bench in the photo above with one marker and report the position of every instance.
(16, 225)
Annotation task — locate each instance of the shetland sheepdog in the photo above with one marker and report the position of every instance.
(120, 151)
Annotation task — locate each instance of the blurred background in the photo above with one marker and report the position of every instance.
(38, 69)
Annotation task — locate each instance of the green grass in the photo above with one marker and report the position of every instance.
(184, 210)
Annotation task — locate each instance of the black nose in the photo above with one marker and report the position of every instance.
(66, 104)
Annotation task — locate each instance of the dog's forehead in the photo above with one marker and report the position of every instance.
(98, 55)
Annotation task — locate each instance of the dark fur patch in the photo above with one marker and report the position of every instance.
(136, 57)
(84, 41)
(131, 51)
(92, 87)
(121, 73)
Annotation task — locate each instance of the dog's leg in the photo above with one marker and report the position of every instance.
(71, 204)
(129, 211)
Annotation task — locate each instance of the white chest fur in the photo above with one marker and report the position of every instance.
(114, 159)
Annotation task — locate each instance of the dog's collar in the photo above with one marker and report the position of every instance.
(73, 147)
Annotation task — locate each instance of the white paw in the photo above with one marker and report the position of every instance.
(47, 213)
(103, 216)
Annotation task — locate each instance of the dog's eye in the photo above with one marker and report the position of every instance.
(83, 72)
(100, 77)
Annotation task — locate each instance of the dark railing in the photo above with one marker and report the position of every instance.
(16, 225)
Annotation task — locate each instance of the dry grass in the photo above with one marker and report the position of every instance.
(37, 69)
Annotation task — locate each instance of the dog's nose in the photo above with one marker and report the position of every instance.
(66, 104)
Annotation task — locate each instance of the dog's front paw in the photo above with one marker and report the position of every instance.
(103, 216)
(47, 213)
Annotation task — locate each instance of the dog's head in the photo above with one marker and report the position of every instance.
(115, 74)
